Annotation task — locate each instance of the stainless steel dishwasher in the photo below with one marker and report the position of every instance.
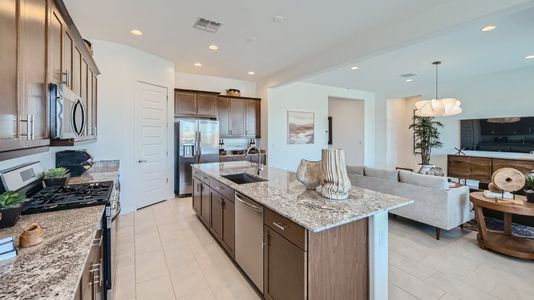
(249, 238)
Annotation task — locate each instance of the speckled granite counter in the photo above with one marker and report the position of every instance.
(52, 269)
(103, 170)
(284, 194)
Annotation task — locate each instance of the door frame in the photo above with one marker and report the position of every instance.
(166, 144)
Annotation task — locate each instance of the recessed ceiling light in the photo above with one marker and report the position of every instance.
(197, 64)
(251, 73)
(409, 80)
(136, 32)
(251, 39)
(213, 47)
(488, 28)
(354, 68)
(529, 57)
(278, 19)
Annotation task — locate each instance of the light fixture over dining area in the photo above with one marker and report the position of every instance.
(438, 107)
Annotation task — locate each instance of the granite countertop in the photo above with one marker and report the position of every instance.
(52, 269)
(102, 170)
(284, 194)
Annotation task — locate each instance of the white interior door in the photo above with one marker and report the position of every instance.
(151, 144)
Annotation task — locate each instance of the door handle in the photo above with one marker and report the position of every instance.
(141, 161)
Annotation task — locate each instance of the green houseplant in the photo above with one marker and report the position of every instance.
(10, 208)
(426, 137)
(529, 188)
(56, 176)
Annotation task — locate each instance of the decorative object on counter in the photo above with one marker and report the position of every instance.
(309, 173)
(233, 92)
(31, 236)
(426, 138)
(7, 248)
(300, 127)
(529, 187)
(335, 182)
(10, 208)
(56, 176)
(508, 180)
(459, 151)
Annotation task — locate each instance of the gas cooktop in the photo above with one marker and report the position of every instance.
(72, 196)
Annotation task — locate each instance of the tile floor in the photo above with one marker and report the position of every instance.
(164, 252)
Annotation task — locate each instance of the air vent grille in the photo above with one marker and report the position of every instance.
(207, 25)
(408, 75)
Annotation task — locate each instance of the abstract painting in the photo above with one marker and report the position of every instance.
(300, 127)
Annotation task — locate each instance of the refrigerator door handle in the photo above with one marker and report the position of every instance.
(199, 147)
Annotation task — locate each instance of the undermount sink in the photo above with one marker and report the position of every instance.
(243, 178)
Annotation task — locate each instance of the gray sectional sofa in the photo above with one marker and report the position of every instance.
(435, 203)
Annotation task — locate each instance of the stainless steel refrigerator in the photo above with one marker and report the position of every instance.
(196, 141)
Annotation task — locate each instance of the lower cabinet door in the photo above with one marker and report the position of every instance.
(217, 214)
(197, 196)
(206, 205)
(284, 268)
(228, 236)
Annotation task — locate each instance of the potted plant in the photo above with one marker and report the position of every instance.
(529, 188)
(56, 176)
(426, 138)
(10, 208)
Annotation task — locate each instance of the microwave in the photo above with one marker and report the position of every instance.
(68, 115)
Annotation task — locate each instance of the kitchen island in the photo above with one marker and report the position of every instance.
(313, 248)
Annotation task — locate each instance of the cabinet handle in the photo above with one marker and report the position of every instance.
(279, 226)
(33, 127)
(66, 74)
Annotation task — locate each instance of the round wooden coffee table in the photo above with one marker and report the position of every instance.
(503, 242)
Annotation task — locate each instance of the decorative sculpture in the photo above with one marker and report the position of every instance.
(309, 173)
(335, 182)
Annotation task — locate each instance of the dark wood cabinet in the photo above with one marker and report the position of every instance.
(223, 116)
(185, 103)
(252, 118)
(197, 196)
(237, 117)
(67, 58)
(206, 104)
(482, 168)
(217, 203)
(228, 237)
(55, 48)
(205, 212)
(76, 70)
(195, 103)
(91, 285)
(284, 268)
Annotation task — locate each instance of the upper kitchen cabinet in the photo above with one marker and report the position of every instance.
(238, 117)
(40, 45)
(195, 103)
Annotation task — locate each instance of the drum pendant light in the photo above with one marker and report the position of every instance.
(438, 107)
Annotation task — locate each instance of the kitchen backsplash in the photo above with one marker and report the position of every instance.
(238, 144)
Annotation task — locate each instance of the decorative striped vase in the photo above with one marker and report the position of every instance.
(335, 182)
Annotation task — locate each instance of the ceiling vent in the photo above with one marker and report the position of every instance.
(408, 75)
(207, 25)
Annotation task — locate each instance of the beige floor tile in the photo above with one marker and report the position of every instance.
(176, 250)
(449, 297)
(410, 266)
(457, 287)
(150, 265)
(169, 231)
(124, 283)
(396, 293)
(155, 289)
(205, 294)
(187, 277)
(413, 285)
(505, 291)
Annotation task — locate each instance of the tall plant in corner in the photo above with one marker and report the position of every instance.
(426, 130)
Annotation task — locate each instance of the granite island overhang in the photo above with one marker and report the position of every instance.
(344, 238)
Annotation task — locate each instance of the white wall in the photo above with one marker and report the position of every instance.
(308, 97)
(213, 83)
(504, 94)
(348, 128)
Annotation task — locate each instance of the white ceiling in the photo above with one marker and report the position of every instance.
(465, 52)
(310, 27)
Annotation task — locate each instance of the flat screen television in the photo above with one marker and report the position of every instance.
(510, 134)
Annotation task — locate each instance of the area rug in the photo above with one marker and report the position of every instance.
(498, 225)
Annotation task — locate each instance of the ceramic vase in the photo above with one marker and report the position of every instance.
(309, 173)
(335, 182)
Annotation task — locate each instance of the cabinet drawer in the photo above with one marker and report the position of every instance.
(293, 232)
(201, 176)
(222, 189)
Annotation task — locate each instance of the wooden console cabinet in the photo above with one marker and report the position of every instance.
(482, 168)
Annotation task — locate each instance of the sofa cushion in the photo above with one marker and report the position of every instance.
(391, 175)
(435, 182)
(357, 170)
